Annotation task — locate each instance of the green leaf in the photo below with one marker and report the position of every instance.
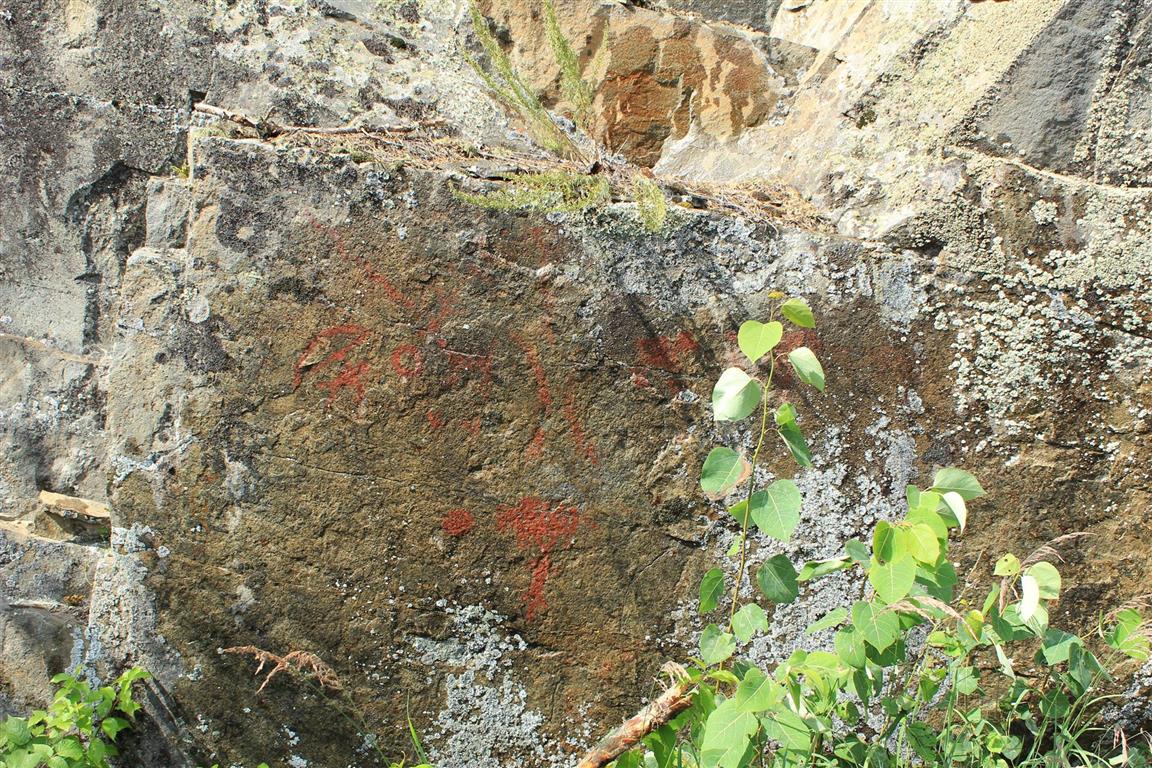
(785, 414)
(757, 339)
(857, 550)
(711, 587)
(70, 748)
(723, 470)
(957, 481)
(893, 580)
(1047, 579)
(807, 367)
(878, 627)
(112, 726)
(884, 541)
(794, 439)
(922, 739)
(798, 312)
(1057, 646)
(749, 620)
(849, 643)
(757, 692)
(726, 735)
(776, 509)
(922, 542)
(957, 507)
(966, 681)
(735, 395)
(814, 569)
(16, 730)
(933, 520)
(777, 579)
(97, 751)
(1030, 597)
(1008, 565)
(789, 730)
(830, 619)
(716, 645)
(1124, 637)
(632, 759)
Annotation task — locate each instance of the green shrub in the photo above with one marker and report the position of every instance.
(917, 676)
(79, 728)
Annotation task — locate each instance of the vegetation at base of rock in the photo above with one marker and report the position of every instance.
(547, 192)
(651, 205)
(77, 730)
(919, 673)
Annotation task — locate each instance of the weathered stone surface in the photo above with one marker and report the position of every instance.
(335, 409)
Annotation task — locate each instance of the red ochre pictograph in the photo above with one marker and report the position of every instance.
(584, 445)
(671, 355)
(407, 360)
(333, 345)
(541, 528)
(532, 357)
(458, 522)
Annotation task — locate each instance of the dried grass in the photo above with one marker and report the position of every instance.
(303, 663)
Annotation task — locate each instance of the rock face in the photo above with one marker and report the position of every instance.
(453, 452)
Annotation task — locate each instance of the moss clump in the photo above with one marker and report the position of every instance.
(651, 205)
(548, 192)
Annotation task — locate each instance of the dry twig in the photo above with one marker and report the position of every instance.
(301, 662)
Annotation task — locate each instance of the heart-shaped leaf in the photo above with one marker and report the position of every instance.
(776, 509)
(735, 395)
(798, 311)
(831, 619)
(727, 733)
(757, 692)
(757, 339)
(1047, 579)
(893, 580)
(877, 626)
(748, 621)
(777, 580)
(963, 483)
(723, 470)
(711, 587)
(807, 367)
(716, 645)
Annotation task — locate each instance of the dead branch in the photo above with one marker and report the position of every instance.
(268, 128)
(301, 662)
(672, 702)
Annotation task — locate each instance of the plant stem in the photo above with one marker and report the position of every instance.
(751, 489)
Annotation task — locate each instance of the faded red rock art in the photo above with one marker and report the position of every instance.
(584, 445)
(333, 345)
(541, 528)
(665, 359)
(457, 522)
(532, 358)
(407, 361)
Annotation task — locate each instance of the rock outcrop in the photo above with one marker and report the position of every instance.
(334, 408)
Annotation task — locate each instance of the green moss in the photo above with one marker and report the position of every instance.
(552, 191)
(651, 205)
